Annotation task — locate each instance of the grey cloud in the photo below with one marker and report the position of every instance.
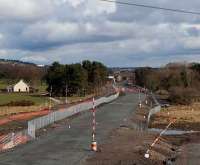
(83, 29)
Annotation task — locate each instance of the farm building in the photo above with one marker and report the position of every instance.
(21, 86)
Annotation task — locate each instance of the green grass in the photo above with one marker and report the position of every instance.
(3, 85)
(42, 87)
(8, 97)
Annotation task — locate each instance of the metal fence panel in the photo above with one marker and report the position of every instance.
(13, 139)
(44, 121)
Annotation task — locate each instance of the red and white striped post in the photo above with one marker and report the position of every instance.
(147, 154)
(94, 143)
(140, 102)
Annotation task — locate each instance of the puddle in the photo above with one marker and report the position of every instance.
(171, 132)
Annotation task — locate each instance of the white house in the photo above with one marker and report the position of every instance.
(21, 86)
(112, 78)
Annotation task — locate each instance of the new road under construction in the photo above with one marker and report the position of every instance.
(114, 133)
(70, 143)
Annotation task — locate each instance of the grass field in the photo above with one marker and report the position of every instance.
(187, 117)
(42, 87)
(3, 85)
(40, 102)
(8, 97)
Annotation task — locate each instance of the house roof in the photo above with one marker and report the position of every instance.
(22, 82)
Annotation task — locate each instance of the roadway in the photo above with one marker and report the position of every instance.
(70, 146)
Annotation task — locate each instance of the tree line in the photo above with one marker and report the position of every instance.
(180, 81)
(75, 79)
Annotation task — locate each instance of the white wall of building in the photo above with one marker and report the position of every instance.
(21, 86)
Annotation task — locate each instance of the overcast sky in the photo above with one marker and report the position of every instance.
(68, 31)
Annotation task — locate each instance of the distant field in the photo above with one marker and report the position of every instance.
(42, 87)
(8, 97)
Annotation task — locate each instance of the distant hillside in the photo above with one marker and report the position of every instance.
(7, 61)
(13, 69)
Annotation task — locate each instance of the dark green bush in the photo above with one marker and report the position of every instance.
(22, 103)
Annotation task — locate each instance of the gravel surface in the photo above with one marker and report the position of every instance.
(71, 146)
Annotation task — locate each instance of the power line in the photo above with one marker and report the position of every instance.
(153, 7)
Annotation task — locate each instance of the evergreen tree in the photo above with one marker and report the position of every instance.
(77, 77)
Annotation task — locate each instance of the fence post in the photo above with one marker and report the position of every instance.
(31, 130)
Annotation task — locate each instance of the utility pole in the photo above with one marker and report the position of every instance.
(50, 95)
(146, 100)
(140, 102)
(66, 90)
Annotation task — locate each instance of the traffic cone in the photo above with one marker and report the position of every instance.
(140, 105)
(147, 155)
(94, 146)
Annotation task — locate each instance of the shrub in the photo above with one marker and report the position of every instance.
(180, 95)
(22, 103)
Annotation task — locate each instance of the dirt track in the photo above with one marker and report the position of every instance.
(128, 146)
(22, 116)
(125, 147)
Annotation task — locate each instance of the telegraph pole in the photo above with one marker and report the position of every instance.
(66, 90)
(140, 102)
(50, 95)
(146, 100)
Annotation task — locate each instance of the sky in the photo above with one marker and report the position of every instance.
(69, 31)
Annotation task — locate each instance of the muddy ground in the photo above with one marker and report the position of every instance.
(128, 144)
(128, 147)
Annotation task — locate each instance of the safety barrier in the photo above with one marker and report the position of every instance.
(154, 110)
(11, 140)
(51, 118)
(155, 100)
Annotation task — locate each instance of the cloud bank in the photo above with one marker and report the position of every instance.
(73, 30)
